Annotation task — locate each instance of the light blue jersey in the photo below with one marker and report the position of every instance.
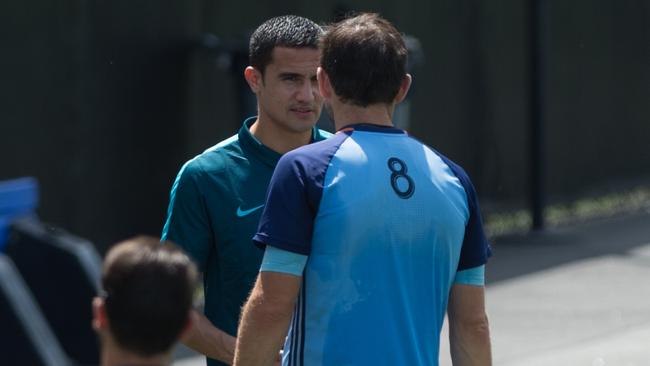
(386, 223)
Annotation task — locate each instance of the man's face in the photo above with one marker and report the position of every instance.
(288, 95)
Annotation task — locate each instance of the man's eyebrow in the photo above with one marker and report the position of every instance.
(289, 74)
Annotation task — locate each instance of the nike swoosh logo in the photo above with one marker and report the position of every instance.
(242, 213)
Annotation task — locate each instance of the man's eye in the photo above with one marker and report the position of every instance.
(290, 78)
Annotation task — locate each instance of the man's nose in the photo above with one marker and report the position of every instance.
(307, 92)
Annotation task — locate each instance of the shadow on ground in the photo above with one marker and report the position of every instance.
(521, 254)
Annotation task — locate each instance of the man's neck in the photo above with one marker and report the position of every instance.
(377, 114)
(278, 139)
(115, 356)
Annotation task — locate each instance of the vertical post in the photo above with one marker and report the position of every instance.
(537, 83)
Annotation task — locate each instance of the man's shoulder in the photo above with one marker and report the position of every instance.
(224, 145)
(458, 170)
(455, 167)
(213, 159)
(317, 153)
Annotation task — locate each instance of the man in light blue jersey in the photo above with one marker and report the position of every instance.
(217, 198)
(370, 236)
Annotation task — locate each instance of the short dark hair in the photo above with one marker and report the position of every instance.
(148, 289)
(284, 31)
(365, 58)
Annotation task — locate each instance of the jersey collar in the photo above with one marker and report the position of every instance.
(250, 143)
(369, 127)
(261, 151)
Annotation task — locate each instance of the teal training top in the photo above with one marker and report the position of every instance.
(215, 205)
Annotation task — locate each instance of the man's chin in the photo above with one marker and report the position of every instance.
(302, 125)
(308, 116)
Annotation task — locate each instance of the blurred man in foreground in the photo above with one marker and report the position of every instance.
(146, 302)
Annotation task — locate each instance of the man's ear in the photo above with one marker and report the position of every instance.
(403, 89)
(324, 84)
(254, 78)
(100, 320)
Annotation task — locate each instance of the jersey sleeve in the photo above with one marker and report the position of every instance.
(472, 276)
(187, 222)
(282, 261)
(291, 205)
(476, 249)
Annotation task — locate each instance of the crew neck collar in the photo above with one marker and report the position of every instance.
(370, 127)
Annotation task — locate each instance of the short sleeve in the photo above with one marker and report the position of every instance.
(283, 261)
(291, 205)
(472, 276)
(187, 221)
(476, 249)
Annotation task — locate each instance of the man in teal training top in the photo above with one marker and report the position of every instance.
(217, 198)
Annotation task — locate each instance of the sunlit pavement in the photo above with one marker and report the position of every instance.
(585, 299)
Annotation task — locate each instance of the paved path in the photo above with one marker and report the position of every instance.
(573, 296)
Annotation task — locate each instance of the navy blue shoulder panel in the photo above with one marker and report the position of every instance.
(294, 196)
(476, 250)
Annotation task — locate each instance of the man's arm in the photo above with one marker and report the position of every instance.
(188, 225)
(469, 331)
(209, 340)
(265, 318)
